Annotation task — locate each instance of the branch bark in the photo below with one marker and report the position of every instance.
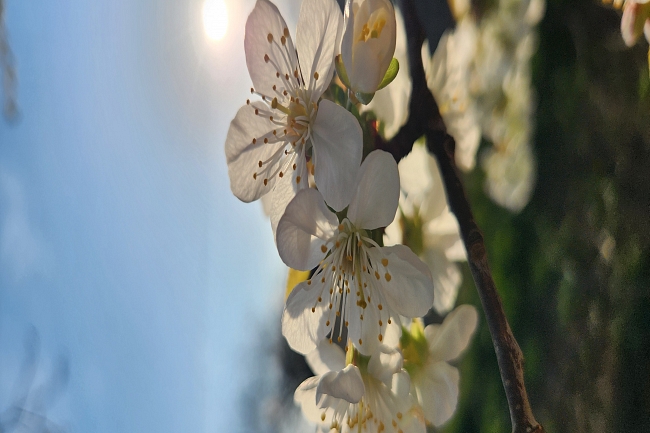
(425, 119)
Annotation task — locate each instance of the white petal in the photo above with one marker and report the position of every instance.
(364, 332)
(306, 226)
(449, 340)
(438, 392)
(377, 194)
(345, 384)
(410, 289)
(446, 280)
(401, 385)
(384, 363)
(319, 29)
(284, 191)
(265, 20)
(243, 156)
(326, 357)
(338, 144)
(301, 326)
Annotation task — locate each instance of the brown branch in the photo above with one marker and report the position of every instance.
(424, 119)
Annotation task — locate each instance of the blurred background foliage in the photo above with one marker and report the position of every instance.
(573, 268)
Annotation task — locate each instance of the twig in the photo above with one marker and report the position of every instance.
(424, 119)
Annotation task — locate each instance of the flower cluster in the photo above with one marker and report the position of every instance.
(357, 315)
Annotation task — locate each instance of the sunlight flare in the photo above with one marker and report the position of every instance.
(215, 19)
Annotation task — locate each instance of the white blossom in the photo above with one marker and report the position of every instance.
(427, 355)
(426, 224)
(357, 284)
(270, 141)
(370, 394)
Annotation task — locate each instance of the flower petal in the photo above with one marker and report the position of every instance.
(246, 147)
(267, 57)
(302, 326)
(449, 340)
(409, 288)
(384, 363)
(446, 280)
(338, 144)
(285, 190)
(319, 29)
(345, 384)
(377, 194)
(326, 357)
(304, 230)
(437, 392)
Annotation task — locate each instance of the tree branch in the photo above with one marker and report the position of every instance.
(425, 119)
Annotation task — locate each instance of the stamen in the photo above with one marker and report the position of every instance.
(270, 38)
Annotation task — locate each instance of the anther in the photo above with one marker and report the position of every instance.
(320, 299)
(270, 38)
(286, 77)
(309, 282)
(380, 337)
(274, 87)
(266, 182)
(341, 227)
(360, 341)
(313, 310)
(281, 174)
(298, 179)
(252, 90)
(381, 323)
(254, 140)
(389, 321)
(255, 176)
(323, 248)
(260, 164)
(294, 165)
(315, 75)
(266, 140)
(248, 102)
(283, 40)
(384, 261)
(286, 32)
(266, 58)
(381, 308)
(387, 276)
(271, 118)
(257, 111)
(377, 275)
(327, 323)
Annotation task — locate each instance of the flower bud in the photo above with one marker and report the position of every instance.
(368, 43)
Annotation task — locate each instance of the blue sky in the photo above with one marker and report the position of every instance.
(119, 238)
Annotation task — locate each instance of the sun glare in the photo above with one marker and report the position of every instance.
(215, 19)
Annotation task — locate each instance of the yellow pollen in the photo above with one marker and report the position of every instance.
(333, 268)
(330, 306)
(399, 415)
(322, 417)
(322, 280)
(387, 276)
(349, 258)
(309, 282)
(338, 244)
(338, 314)
(340, 227)
(270, 38)
(384, 262)
(380, 337)
(380, 307)
(320, 299)
(315, 75)
(381, 323)
(377, 275)
(339, 339)
(323, 248)
(346, 323)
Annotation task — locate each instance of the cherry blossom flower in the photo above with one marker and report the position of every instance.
(636, 16)
(425, 223)
(368, 43)
(370, 394)
(427, 355)
(358, 285)
(270, 141)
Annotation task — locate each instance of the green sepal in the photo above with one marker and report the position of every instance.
(390, 75)
(340, 70)
(364, 98)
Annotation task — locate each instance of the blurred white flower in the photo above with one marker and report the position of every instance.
(425, 224)
(269, 141)
(427, 354)
(370, 394)
(357, 284)
(635, 16)
(448, 80)
(368, 42)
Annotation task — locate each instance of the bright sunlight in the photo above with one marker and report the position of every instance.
(215, 19)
